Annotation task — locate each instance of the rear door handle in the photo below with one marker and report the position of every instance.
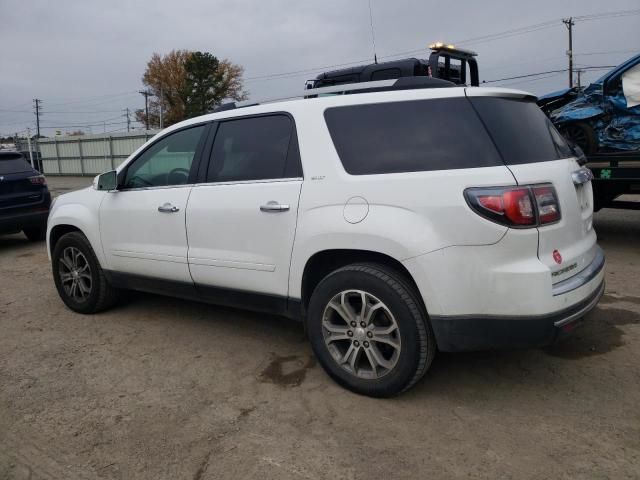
(168, 208)
(274, 206)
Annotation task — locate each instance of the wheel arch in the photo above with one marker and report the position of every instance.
(320, 264)
(58, 231)
(75, 217)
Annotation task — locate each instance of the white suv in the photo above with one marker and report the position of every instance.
(392, 223)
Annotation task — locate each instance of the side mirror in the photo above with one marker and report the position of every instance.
(107, 181)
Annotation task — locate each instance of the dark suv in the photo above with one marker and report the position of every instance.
(24, 197)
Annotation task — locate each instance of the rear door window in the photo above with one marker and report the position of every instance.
(522, 133)
(421, 135)
(255, 148)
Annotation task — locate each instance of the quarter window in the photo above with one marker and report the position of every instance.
(520, 130)
(166, 162)
(256, 148)
(411, 136)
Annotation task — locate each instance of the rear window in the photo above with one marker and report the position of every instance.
(422, 135)
(13, 163)
(522, 133)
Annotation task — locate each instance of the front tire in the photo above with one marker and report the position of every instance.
(78, 276)
(369, 330)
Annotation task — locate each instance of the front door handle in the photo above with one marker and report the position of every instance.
(168, 208)
(274, 206)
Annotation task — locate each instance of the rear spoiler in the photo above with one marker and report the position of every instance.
(500, 92)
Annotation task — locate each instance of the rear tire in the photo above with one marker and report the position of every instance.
(79, 278)
(35, 234)
(390, 350)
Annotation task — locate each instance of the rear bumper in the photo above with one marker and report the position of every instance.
(493, 296)
(19, 221)
(465, 333)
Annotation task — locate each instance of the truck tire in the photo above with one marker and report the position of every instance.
(583, 135)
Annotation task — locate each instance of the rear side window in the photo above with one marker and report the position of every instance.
(522, 133)
(422, 135)
(386, 74)
(255, 148)
(13, 163)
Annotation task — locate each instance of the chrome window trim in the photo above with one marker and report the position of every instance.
(248, 182)
(157, 187)
(583, 277)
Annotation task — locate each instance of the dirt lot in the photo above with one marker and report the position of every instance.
(164, 388)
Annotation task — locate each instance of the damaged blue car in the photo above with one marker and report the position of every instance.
(603, 117)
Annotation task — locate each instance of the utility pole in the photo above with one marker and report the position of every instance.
(29, 143)
(569, 24)
(579, 72)
(37, 103)
(161, 124)
(128, 119)
(146, 94)
(373, 34)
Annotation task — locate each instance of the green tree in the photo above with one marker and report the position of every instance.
(202, 84)
(185, 84)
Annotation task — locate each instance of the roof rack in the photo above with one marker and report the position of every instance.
(403, 83)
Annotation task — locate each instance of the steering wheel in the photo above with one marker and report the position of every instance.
(139, 179)
(176, 171)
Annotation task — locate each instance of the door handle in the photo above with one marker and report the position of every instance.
(168, 208)
(274, 206)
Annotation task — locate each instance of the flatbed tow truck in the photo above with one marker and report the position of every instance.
(446, 62)
(615, 174)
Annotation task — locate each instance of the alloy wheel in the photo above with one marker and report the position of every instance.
(361, 334)
(75, 274)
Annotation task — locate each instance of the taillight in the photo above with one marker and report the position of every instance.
(519, 207)
(38, 180)
(547, 204)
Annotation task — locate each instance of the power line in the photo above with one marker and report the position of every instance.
(93, 98)
(603, 15)
(88, 112)
(610, 52)
(103, 122)
(468, 41)
(536, 79)
(561, 70)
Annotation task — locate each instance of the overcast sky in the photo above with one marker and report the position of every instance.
(85, 59)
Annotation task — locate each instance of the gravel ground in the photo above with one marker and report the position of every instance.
(164, 388)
